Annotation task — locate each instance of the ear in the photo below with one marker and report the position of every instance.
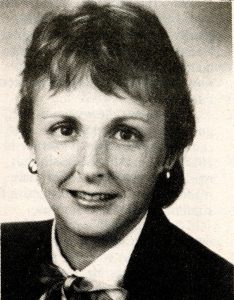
(170, 161)
(31, 150)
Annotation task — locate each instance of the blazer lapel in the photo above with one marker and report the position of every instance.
(154, 271)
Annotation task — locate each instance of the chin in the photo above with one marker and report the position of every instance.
(91, 229)
(94, 224)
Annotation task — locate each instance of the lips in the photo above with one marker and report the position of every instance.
(92, 197)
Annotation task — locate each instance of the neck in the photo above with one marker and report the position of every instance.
(80, 251)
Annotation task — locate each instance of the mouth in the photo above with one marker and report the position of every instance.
(92, 199)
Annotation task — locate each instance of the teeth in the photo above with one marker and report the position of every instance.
(94, 197)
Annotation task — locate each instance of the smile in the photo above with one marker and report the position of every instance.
(92, 199)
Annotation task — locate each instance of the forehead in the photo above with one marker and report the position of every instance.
(85, 98)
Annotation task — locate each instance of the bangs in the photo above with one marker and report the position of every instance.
(111, 45)
(107, 75)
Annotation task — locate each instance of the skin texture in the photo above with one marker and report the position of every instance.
(84, 140)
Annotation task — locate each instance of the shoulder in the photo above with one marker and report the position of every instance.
(22, 228)
(177, 244)
(24, 246)
(209, 273)
(13, 234)
(175, 259)
(22, 240)
(194, 251)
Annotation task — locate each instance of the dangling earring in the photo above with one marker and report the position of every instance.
(168, 174)
(32, 166)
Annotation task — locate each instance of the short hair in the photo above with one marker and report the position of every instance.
(122, 47)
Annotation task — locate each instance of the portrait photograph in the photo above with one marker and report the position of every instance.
(117, 122)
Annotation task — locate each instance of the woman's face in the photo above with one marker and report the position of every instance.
(98, 157)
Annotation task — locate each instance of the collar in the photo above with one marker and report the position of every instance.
(112, 273)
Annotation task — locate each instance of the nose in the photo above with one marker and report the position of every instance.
(92, 162)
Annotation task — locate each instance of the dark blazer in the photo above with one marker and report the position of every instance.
(166, 263)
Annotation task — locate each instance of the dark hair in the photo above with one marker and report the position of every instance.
(122, 47)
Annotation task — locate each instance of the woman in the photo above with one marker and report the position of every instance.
(107, 114)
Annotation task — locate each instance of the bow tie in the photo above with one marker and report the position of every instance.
(72, 287)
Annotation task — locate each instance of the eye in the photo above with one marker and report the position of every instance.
(128, 135)
(63, 131)
(66, 130)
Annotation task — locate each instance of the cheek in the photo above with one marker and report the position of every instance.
(54, 163)
(137, 170)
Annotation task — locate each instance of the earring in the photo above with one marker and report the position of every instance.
(168, 174)
(32, 166)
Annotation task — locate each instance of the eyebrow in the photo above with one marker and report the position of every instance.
(122, 119)
(115, 120)
(65, 117)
